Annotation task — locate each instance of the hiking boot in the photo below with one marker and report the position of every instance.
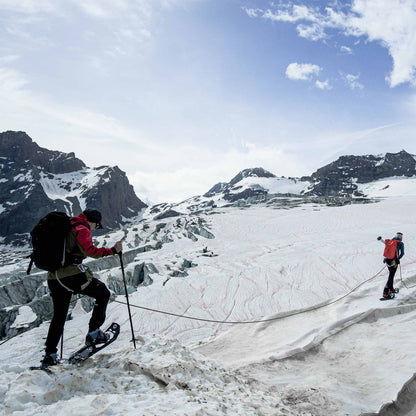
(96, 337)
(395, 291)
(49, 359)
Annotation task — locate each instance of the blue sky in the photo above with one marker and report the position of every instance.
(182, 94)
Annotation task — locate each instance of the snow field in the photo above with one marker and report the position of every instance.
(160, 377)
(268, 263)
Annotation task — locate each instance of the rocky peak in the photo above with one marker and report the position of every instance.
(20, 149)
(341, 176)
(252, 172)
(35, 181)
(225, 187)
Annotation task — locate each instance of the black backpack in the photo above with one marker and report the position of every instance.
(49, 242)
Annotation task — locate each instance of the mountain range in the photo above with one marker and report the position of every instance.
(35, 181)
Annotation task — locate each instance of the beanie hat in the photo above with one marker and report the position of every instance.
(93, 216)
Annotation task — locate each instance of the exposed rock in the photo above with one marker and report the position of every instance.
(187, 264)
(29, 172)
(20, 151)
(216, 189)
(337, 179)
(256, 192)
(178, 273)
(229, 189)
(340, 177)
(167, 214)
(253, 172)
(203, 232)
(29, 291)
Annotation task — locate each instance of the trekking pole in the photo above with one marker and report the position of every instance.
(127, 297)
(401, 277)
(62, 343)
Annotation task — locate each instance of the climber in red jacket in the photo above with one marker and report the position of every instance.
(76, 278)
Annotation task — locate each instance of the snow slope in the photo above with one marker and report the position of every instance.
(264, 263)
(388, 187)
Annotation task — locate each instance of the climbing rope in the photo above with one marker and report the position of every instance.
(283, 315)
(401, 279)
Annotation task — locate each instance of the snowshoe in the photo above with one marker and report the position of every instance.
(87, 351)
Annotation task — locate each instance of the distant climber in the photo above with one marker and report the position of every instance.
(393, 252)
(74, 278)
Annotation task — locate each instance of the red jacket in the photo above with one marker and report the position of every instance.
(84, 237)
(79, 245)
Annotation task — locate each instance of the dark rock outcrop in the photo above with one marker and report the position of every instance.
(250, 173)
(337, 179)
(341, 177)
(230, 190)
(34, 181)
(17, 147)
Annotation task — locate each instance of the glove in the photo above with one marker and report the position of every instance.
(379, 237)
(397, 261)
(118, 247)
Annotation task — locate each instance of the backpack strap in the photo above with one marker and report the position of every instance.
(74, 225)
(71, 259)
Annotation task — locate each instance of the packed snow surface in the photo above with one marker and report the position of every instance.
(388, 187)
(313, 275)
(272, 185)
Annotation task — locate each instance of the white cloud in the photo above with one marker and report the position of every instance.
(323, 85)
(187, 171)
(131, 20)
(312, 32)
(352, 81)
(346, 50)
(7, 59)
(303, 72)
(11, 82)
(253, 12)
(290, 14)
(15, 91)
(29, 6)
(392, 23)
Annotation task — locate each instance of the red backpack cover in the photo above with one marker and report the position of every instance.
(390, 249)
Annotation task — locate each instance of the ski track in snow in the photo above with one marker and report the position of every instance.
(336, 360)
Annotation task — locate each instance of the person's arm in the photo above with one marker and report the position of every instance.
(401, 250)
(379, 238)
(84, 239)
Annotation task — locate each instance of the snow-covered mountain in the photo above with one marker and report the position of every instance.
(255, 184)
(258, 309)
(348, 175)
(349, 179)
(35, 181)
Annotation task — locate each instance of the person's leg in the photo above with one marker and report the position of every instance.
(392, 272)
(61, 299)
(97, 290)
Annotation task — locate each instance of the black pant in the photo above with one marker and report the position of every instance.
(61, 299)
(392, 266)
